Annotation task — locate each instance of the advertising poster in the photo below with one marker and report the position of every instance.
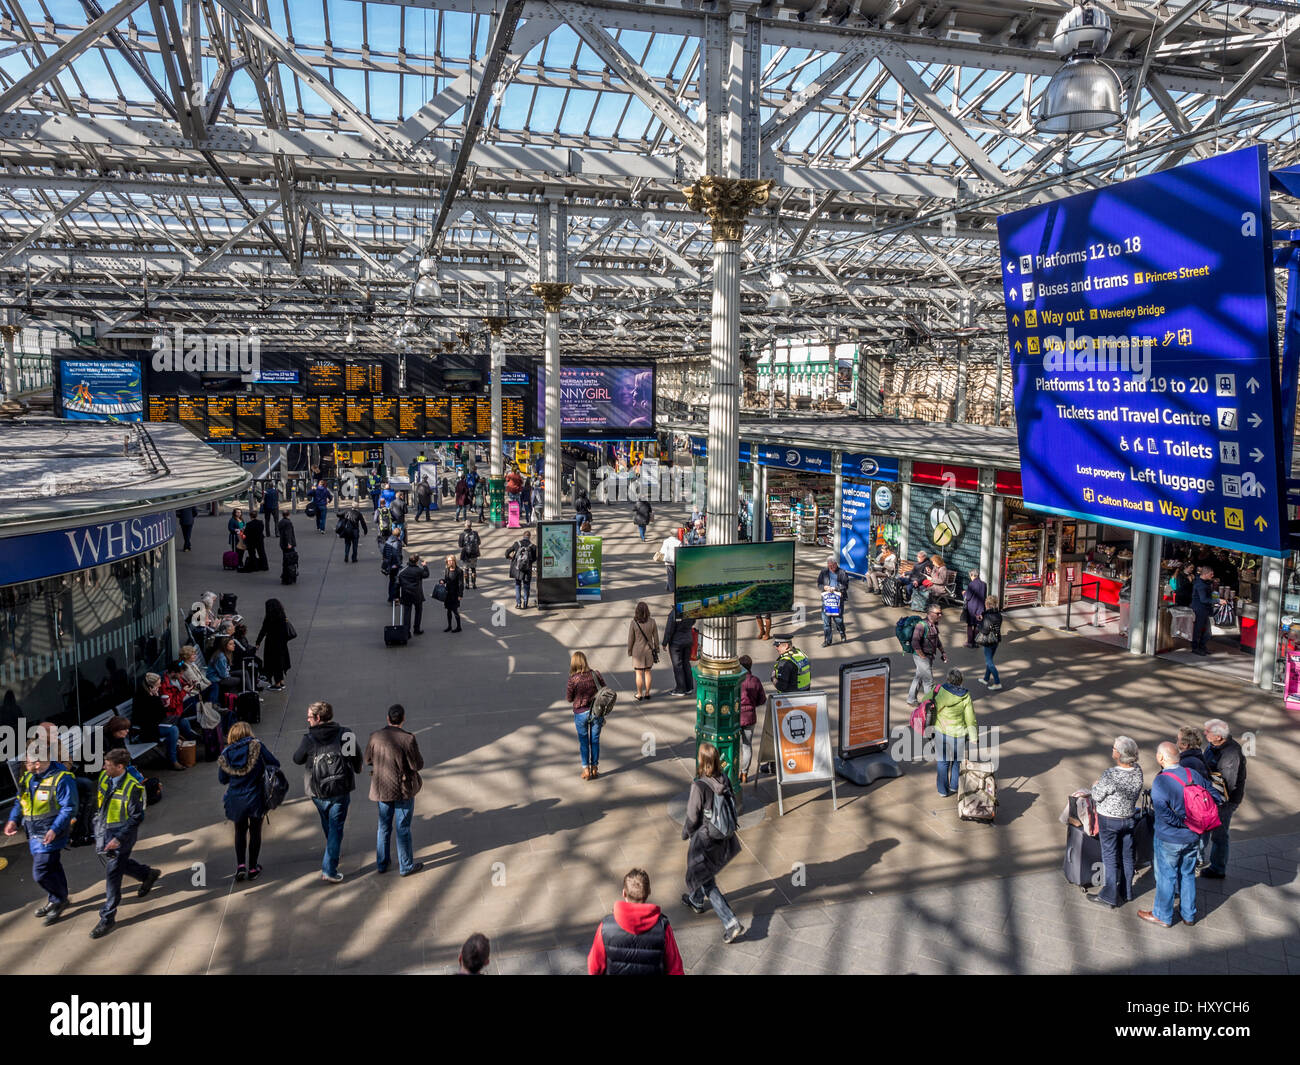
(100, 390)
(589, 568)
(556, 555)
(864, 707)
(602, 399)
(728, 580)
(803, 741)
(1143, 344)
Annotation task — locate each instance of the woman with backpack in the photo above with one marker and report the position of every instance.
(522, 554)
(242, 767)
(453, 580)
(584, 684)
(711, 829)
(276, 632)
(988, 636)
(642, 648)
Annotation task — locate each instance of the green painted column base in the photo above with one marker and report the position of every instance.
(497, 501)
(717, 715)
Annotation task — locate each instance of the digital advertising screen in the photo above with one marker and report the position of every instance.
(602, 400)
(1143, 345)
(100, 390)
(732, 580)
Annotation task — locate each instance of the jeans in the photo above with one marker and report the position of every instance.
(1214, 844)
(526, 513)
(116, 863)
(716, 899)
(746, 748)
(923, 682)
(671, 568)
(401, 813)
(1200, 632)
(47, 871)
(350, 547)
(422, 511)
(460, 511)
(588, 736)
(522, 590)
(948, 752)
(1116, 858)
(187, 531)
(827, 619)
(171, 734)
(990, 670)
(333, 812)
(1175, 865)
(641, 530)
(320, 518)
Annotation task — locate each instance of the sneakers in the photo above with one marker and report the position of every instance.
(414, 869)
(255, 872)
(102, 929)
(691, 904)
(148, 882)
(240, 872)
(337, 878)
(995, 687)
(733, 933)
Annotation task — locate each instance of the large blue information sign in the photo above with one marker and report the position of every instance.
(1143, 345)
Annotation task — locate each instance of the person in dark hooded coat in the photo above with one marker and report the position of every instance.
(706, 856)
(273, 641)
(242, 768)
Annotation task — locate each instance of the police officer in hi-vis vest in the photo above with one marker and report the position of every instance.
(792, 670)
(118, 815)
(46, 806)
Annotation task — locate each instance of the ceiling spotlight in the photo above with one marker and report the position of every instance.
(428, 265)
(409, 328)
(688, 343)
(427, 288)
(1085, 94)
(620, 326)
(158, 343)
(350, 337)
(778, 298)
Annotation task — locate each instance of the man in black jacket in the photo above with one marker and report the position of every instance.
(284, 529)
(522, 555)
(641, 516)
(423, 500)
(398, 510)
(332, 757)
(255, 542)
(469, 543)
(410, 588)
(678, 637)
(1202, 608)
(1225, 758)
(390, 563)
(352, 523)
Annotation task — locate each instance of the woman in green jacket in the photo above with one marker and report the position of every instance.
(954, 727)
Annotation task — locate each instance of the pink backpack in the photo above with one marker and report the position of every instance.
(1201, 813)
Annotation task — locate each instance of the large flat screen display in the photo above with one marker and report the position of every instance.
(609, 400)
(731, 580)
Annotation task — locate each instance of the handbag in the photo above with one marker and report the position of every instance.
(654, 644)
(290, 632)
(310, 509)
(440, 591)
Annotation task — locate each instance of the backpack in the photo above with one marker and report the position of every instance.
(331, 776)
(385, 520)
(603, 705)
(346, 526)
(152, 791)
(720, 815)
(904, 629)
(1200, 813)
(275, 786)
(471, 543)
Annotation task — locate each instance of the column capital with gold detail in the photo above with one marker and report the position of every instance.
(552, 294)
(728, 202)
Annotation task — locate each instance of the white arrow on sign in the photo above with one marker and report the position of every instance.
(1011, 268)
(1253, 385)
(847, 549)
(1254, 420)
(1257, 455)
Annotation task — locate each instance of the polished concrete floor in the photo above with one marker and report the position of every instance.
(517, 846)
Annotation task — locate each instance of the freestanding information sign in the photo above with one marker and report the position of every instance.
(864, 722)
(801, 729)
(557, 564)
(1143, 344)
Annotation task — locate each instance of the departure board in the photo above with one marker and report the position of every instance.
(410, 418)
(160, 409)
(363, 377)
(324, 378)
(278, 417)
(221, 417)
(306, 418)
(464, 416)
(356, 412)
(437, 417)
(333, 415)
(384, 410)
(249, 420)
(192, 412)
(512, 416)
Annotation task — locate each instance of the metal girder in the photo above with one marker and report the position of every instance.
(219, 252)
(528, 258)
(50, 67)
(51, 220)
(781, 124)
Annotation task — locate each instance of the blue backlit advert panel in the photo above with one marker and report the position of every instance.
(1143, 345)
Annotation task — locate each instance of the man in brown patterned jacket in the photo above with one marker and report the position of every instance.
(395, 763)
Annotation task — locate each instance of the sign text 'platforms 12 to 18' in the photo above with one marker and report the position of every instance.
(1143, 346)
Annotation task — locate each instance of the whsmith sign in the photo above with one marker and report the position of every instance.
(29, 558)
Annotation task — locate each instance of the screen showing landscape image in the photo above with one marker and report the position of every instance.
(729, 580)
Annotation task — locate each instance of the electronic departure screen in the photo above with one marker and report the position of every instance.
(306, 417)
(324, 378)
(160, 409)
(221, 417)
(356, 415)
(192, 412)
(249, 420)
(333, 418)
(384, 409)
(464, 415)
(512, 416)
(278, 417)
(437, 417)
(410, 418)
(363, 377)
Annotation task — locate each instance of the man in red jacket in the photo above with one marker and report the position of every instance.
(636, 940)
(752, 696)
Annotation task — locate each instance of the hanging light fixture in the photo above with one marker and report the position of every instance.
(159, 341)
(427, 289)
(778, 299)
(350, 337)
(620, 326)
(1085, 94)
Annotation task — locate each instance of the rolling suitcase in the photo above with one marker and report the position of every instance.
(977, 792)
(1082, 864)
(248, 707)
(289, 570)
(890, 594)
(396, 635)
(1144, 832)
(230, 560)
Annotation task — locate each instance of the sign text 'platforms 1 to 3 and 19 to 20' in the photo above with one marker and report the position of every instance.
(1143, 345)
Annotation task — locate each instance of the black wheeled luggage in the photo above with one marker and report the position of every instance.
(248, 707)
(890, 594)
(396, 635)
(1082, 864)
(228, 604)
(289, 569)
